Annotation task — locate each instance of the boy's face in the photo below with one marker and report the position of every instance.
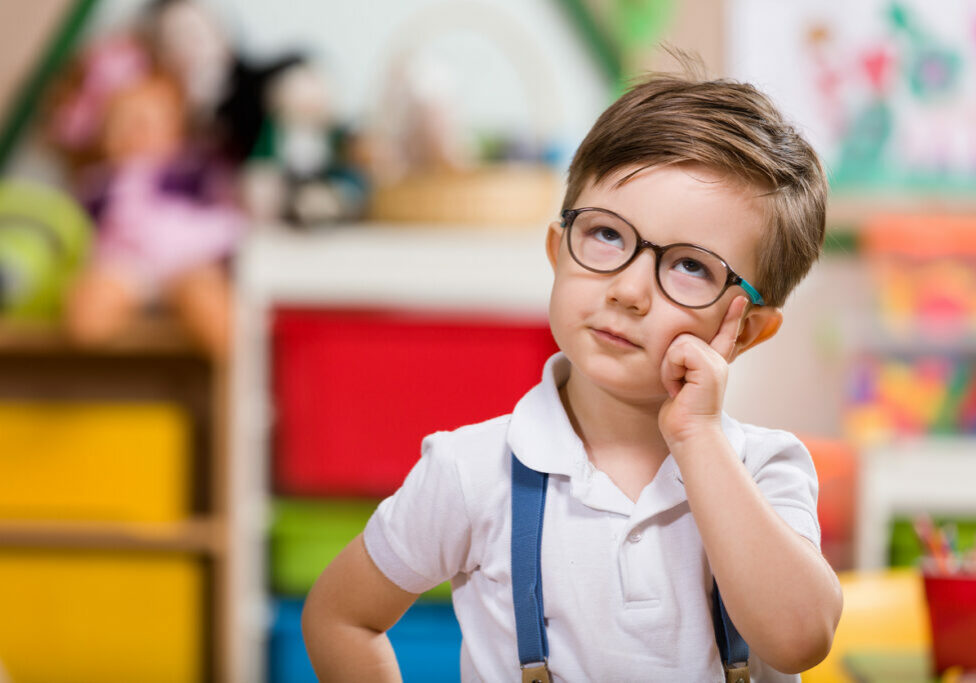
(615, 328)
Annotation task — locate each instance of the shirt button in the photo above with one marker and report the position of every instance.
(635, 536)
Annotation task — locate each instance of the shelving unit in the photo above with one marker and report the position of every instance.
(913, 377)
(449, 270)
(152, 363)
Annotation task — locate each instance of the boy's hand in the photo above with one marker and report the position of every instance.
(694, 374)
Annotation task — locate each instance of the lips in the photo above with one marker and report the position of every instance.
(612, 336)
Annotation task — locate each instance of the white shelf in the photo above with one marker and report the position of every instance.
(375, 264)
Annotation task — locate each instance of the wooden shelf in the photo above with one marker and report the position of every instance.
(194, 535)
(146, 335)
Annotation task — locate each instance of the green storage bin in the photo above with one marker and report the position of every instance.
(307, 534)
(906, 550)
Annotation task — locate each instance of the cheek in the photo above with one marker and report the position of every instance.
(560, 313)
(670, 324)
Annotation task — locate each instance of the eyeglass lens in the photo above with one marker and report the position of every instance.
(604, 242)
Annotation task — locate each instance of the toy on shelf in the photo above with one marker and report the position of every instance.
(222, 92)
(153, 123)
(79, 100)
(420, 127)
(165, 220)
(429, 161)
(44, 239)
(302, 169)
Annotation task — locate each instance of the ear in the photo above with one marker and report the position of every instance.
(553, 238)
(758, 325)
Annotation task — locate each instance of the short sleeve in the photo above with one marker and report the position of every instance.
(788, 480)
(420, 536)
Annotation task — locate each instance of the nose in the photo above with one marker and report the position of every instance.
(634, 286)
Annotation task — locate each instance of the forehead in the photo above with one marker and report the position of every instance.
(687, 203)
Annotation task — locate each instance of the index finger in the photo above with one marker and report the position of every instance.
(724, 340)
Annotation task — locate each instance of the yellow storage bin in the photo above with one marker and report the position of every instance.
(101, 616)
(123, 462)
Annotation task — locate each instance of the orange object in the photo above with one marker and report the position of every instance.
(836, 463)
(920, 236)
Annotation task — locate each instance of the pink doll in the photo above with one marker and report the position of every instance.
(165, 220)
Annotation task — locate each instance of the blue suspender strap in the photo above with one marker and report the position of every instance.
(731, 646)
(528, 507)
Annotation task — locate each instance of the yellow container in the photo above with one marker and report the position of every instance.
(101, 616)
(884, 615)
(124, 462)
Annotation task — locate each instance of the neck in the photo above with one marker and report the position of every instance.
(621, 438)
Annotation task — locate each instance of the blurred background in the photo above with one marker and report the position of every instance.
(251, 252)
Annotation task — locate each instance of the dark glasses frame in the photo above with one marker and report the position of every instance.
(732, 278)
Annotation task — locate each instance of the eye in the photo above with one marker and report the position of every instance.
(608, 236)
(693, 267)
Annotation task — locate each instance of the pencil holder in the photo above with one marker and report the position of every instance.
(952, 615)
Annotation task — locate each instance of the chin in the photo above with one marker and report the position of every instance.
(623, 382)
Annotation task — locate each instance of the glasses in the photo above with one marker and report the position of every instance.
(690, 276)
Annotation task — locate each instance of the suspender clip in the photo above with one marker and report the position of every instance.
(737, 672)
(537, 672)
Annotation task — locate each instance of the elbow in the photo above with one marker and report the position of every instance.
(800, 654)
(807, 640)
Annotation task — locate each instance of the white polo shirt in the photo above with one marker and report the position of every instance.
(627, 587)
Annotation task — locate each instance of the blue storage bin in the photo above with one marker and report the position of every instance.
(427, 642)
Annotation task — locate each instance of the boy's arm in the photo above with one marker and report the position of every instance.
(346, 616)
(780, 592)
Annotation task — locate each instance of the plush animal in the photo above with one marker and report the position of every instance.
(301, 170)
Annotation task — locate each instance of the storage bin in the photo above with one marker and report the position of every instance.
(426, 640)
(356, 391)
(123, 462)
(101, 616)
(306, 535)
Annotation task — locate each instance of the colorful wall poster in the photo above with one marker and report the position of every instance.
(884, 89)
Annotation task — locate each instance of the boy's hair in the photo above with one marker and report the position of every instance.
(733, 128)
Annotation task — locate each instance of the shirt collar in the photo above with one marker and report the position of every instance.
(543, 439)
(540, 433)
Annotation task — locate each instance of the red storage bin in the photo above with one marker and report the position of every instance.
(356, 391)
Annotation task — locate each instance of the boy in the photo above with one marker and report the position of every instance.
(691, 211)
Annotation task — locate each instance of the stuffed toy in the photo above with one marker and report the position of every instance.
(166, 222)
(302, 169)
(224, 92)
(44, 238)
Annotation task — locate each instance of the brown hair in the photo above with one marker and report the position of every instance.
(733, 128)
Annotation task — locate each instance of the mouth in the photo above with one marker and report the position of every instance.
(613, 337)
